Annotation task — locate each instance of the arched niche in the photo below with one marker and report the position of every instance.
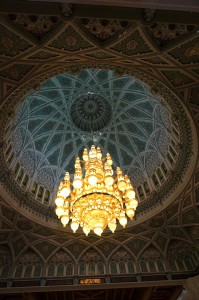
(29, 264)
(182, 256)
(152, 260)
(122, 262)
(60, 264)
(91, 263)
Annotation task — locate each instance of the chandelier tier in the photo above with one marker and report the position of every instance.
(95, 199)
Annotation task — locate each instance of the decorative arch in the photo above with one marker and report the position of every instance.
(60, 264)
(121, 262)
(152, 260)
(182, 256)
(91, 262)
(29, 264)
(5, 261)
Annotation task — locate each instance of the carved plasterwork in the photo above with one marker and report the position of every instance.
(29, 257)
(60, 257)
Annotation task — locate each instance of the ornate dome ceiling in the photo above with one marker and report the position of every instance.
(126, 80)
(159, 49)
(53, 125)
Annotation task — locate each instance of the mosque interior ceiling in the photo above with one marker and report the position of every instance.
(139, 71)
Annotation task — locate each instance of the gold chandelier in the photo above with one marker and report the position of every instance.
(95, 199)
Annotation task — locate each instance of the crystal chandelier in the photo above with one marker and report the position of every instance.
(95, 199)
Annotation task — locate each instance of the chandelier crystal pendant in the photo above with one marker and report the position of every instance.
(95, 199)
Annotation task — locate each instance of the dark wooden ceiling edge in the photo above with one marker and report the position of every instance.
(158, 293)
(105, 286)
(100, 11)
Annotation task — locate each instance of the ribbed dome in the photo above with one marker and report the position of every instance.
(52, 126)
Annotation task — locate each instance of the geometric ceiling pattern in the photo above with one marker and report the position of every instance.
(157, 52)
(53, 124)
(128, 121)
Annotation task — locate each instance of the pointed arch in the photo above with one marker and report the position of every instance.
(121, 261)
(92, 262)
(150, 247)
(30, 249)
(92, 249)
(60, 263)
(181, 255)
(151, 259)
(5, 261)
(28, 264)
(18, 271)
(51, 270)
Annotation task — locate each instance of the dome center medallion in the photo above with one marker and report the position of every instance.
(90, 112)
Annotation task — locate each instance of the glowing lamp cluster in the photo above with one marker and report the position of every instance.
(95, 199)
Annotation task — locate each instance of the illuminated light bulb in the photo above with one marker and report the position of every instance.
(59, 201)
(74, 226)
(77, 183)
(99, 153)
(112, 226)
(121, 185)
(133, 203)
(92, 152)
(118, 171)
(67, 176)
(109, 180)
(59, 211)
(85, 155)
(130, 193)
(109, 159)
(66, 204)
(77, 163)
(123, 221)
(65, 191)
(92, 179)
(130, 212)
(86, 230)
(64, 220)
(98, 230)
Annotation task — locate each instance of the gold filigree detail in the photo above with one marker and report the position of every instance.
(91, 281)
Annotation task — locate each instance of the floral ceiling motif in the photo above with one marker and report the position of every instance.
(103, 30)
(164, 33)
(37, 25)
